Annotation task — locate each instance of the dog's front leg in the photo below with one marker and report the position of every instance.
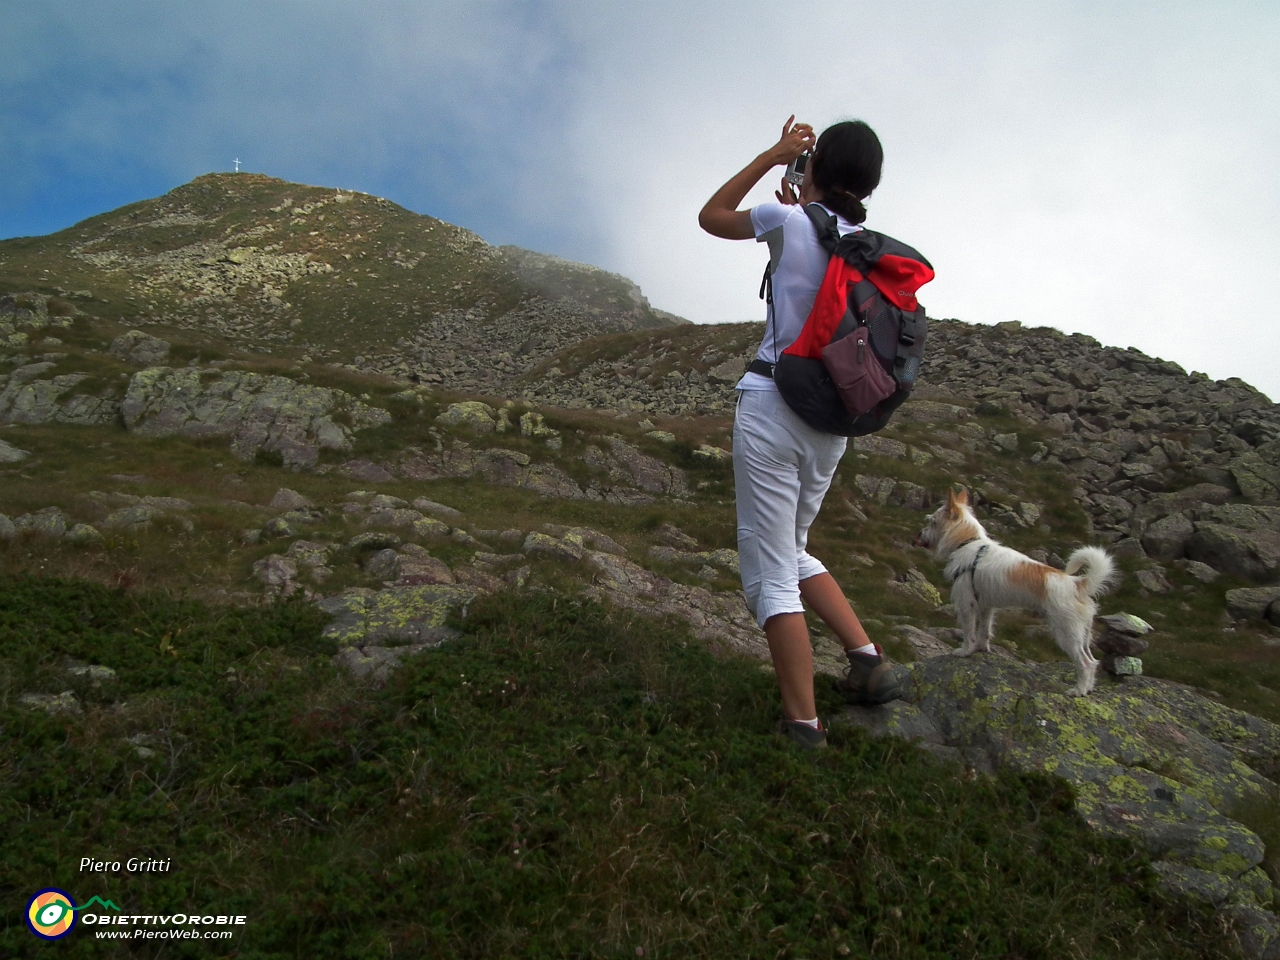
(966, 605)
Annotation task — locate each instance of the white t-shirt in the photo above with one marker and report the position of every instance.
(799, 264)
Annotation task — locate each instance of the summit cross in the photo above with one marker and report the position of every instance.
(237, 163)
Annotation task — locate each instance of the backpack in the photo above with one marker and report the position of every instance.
(859, 353)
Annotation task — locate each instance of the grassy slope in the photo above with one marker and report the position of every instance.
(561, 782)
(1239, 666)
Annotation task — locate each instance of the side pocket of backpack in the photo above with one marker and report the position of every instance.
(856, 372)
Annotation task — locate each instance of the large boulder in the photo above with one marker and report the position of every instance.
(26, 398)
(1251, 603)
(1258, 480)
(49, 522)
(11, 454)
(1239, 539)
(255, 412)
(140, 348)
(1149, 760)
(471, 414)
(413, 615)
(1167, 539)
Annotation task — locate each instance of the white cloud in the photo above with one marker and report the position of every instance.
(1104, 168)
(1099, 169)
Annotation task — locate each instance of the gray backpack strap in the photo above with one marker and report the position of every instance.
(911, 336)
(825, 224)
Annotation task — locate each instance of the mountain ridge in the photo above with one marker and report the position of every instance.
(274, 265)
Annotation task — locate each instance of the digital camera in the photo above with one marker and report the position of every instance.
(796, 169)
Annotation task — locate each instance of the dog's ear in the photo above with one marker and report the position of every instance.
(962, 497)
(956, 500)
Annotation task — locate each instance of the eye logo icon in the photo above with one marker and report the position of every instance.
(51, 914)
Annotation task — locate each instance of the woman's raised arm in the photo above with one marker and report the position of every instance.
(721, 216)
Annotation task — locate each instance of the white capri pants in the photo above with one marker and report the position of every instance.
(782, 469)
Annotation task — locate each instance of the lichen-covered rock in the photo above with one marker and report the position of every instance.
(82, 533)
(1147, 759)
(915, 584)
(96, 673)
(719, 618)
(1202, 571)
(673, 536)
(275, 570)
(411, 614)
(1166, 539)
(141, 348)
(1258, 480)
(383, 565)
(471, 414)
(374, 540)
(1251, 554)
(279, 528)
(307, 553)
(1153, 580)
(509, 468)
(256, 412)
(367, 471)
(395, 518)
(7, 528)
(417, 566)
(49, 522)
(725, 559)
(886, 490)
(479, 580)
(26, 399)
(1251, 603)
(878, 446)
(286, 499)
(541, 544)
(136, 517)
(436, 509)
(532, 425)
(1120, 637)
(626, 463)
(11, 454)
(715, 454)
(585, 537)
(54, 704)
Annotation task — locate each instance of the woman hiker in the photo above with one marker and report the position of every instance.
(782, 467)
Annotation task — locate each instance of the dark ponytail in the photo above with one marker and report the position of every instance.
(846, 167)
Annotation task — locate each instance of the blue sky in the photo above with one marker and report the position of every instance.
(1107, 168)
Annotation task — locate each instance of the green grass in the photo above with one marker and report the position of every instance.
(563, 781)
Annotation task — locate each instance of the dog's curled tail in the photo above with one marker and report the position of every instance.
(1095, 568)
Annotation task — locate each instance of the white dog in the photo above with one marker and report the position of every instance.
(987, 576)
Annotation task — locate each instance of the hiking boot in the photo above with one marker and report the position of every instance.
(803, 734)
(870, 680)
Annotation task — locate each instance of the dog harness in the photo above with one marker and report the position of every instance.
(972, 568)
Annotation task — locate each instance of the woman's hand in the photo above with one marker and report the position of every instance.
(721, 216)
(796, 139)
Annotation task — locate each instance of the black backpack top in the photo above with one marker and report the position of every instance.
(867, 298)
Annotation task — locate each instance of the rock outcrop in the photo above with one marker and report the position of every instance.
(1150, 760)
(26, 396)
(256, 412)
